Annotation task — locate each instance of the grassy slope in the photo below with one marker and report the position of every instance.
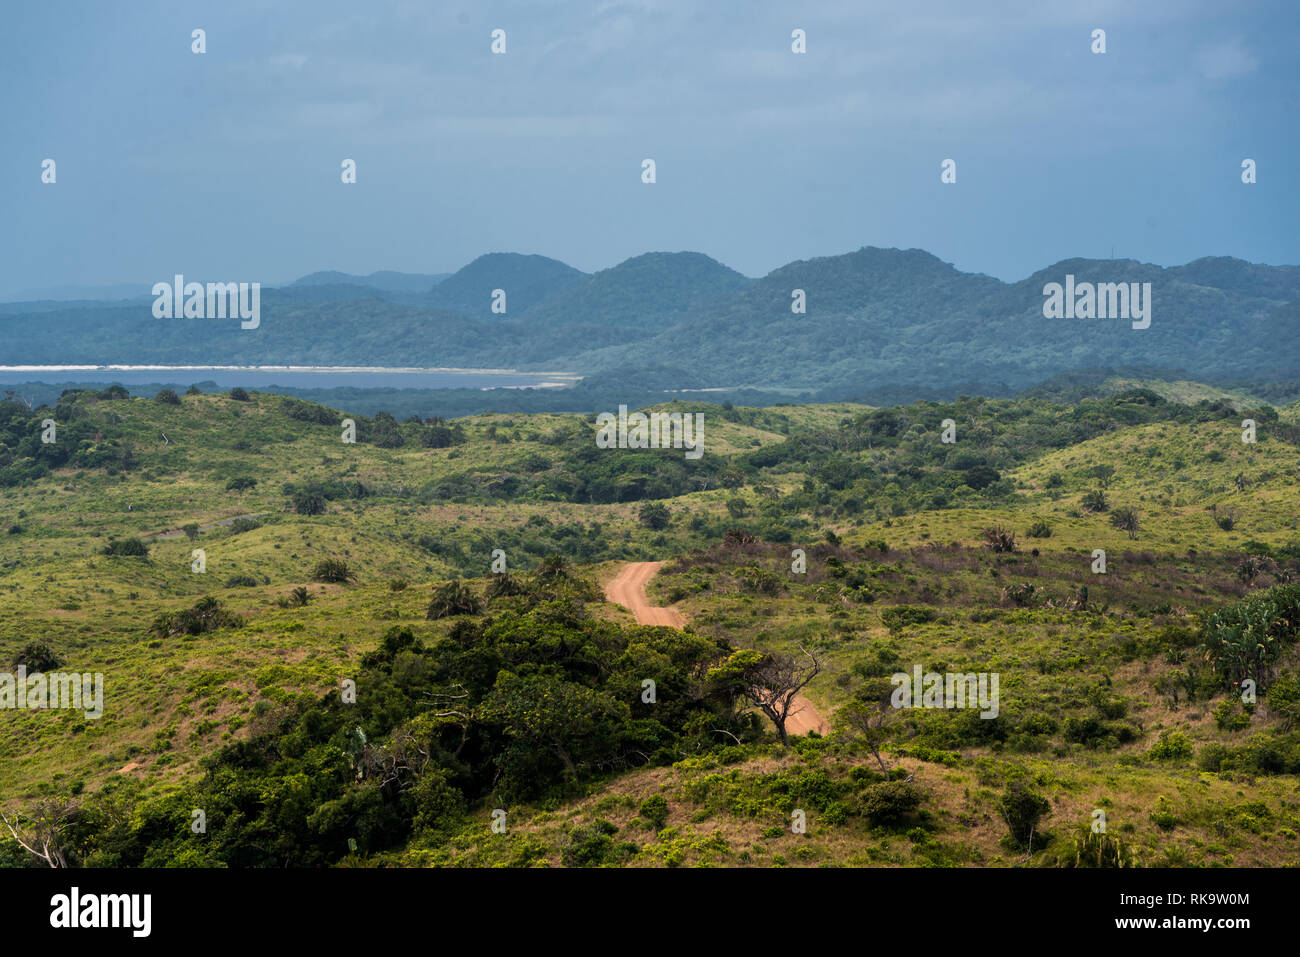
(171, 703)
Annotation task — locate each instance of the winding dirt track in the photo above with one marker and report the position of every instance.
(628, 589)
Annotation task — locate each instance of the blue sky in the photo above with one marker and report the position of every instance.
(226, 165)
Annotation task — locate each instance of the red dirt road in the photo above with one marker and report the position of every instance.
(628, 589)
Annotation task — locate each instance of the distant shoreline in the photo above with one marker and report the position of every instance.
(292, 369)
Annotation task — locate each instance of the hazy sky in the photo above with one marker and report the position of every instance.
(226, 165)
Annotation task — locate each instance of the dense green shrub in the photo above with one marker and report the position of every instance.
(654, 811)
(129, 547)
(332, 571)
(206, 615)
(889, 803)
(1246, 639)
(898, 617)
(654, 516)
(1094, 500)
(1283, 701)
(1229, 716)
(1172, 746)
(453, 598)
(309, 502)
(37, 656)
(1022, 809)
(589, 846)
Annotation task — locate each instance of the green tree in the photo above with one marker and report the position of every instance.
(1022, 809)
(654, 516)
(1126, 520)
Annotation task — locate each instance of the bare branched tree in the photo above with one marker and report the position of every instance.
(775, 682)
(42, 831)
(867, 715)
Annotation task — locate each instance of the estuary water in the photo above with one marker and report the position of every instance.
(301, 377)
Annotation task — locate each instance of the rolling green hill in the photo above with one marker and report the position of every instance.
(327, 562)
(527, 280)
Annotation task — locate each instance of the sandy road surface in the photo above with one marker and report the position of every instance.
(628, 589)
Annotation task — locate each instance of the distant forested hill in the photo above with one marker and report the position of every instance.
(526, 280)
(874, 319)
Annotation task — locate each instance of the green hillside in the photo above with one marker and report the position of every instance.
(328, 562)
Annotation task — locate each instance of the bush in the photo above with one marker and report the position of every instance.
(238, 394)
(1283, 701)
(310, 412)
(1229, 716)
(897, 617)
(1087, 731)
(1094, 500)
(127, 547)
(1020, 594)
(553, 568)
(1164, 816)
(168, 397)
(1099, 849)
(309, 502)
(1039, 529)
(1000, 539)
(1172, 746)
(889, 803)
(504, 585)
(37, 656)
(241, 483)
(1126, 520)
(1022, 809)
(654, 516)
(452, 598)
(588, 846)
(1246, 639)
(206, 615)
(438, 437)
(654, 811)
(437, 802)
(241, 581)
(1210, 758)
(332, 571)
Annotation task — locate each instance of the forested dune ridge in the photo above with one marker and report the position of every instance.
(396, 651)
(875, 316)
